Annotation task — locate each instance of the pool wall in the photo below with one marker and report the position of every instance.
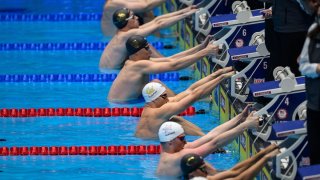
(221, 99)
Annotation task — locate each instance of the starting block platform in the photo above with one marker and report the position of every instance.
(309, 173)
(288, 128)
(232, 20)
(273, 88)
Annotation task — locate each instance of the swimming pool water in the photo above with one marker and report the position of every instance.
(81, 31)
(50, 6)
(68, 131)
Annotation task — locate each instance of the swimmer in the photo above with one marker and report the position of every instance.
(115, 53)
(160, 107)
(193, 165)
(137, 69)
(143, 8)
(175, 147)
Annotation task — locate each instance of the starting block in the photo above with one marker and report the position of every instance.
(309, 173)
(293, 154)
(285, 83)
(279, 131)
(257, 57)
(244, 16)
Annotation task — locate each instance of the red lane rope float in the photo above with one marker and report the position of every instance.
(87, 112)
(80, 150)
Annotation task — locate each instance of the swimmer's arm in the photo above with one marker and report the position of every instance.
(169, 109)
(154, 25)
(255, 167)
(155, 53)
(194, 49)
(176, 106)
(137, 6)
(172, 14)
(220, 140)
(148, 67)
(187, 52)
(214, 133)
(210, 78)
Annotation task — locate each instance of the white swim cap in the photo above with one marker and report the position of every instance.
(152, 91)
(199, 178)
(169, 130)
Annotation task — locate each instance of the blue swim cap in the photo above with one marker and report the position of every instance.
(120, 17)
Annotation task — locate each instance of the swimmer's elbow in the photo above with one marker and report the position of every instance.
(173, 66)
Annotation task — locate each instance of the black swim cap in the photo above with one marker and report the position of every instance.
(190, 163)
(120, 17)
(135, 43)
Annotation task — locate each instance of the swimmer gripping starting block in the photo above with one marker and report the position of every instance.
(254, 72)
(308, 173)
(289, 98)
(285, 107)
(292, 149)
(248, 38)
(293, 154)
(257, 56)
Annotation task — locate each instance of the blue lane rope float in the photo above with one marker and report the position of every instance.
(170, 76)
(65, 46)
(11, 17)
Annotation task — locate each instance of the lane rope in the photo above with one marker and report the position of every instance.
(85, 150)
(64, 46)
(170, 76)
(84, 112)
(30, 17)
(80, 150)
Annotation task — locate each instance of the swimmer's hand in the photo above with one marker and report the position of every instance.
(245, 113)
(267, 13)
(191, 11)
(229, 74)
(212, 49)
(222, 71)
(193, 7)
(273, 153)
(189, 8)
(252, 122)
(206, 41)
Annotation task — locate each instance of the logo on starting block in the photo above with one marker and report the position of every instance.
(238, 57)
(282, 114)
(220, 24)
